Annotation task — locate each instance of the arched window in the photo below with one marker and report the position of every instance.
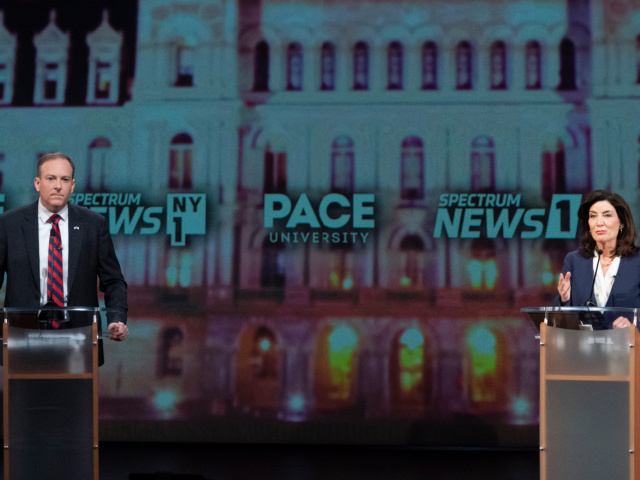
(483, 174)
(567, 65)
(275, 171)
(412, 250)
(533, 65)
(294, 67)
(261, 67)
(429, 66)
(181, 162)
(328, 66)
(171, 353)
(185, 66)
(482, 268)
(264, 358)
(336, 368)
(410, 372)
(258, 369)
(464, 65)
(342, 165)
(361, 66)
(394, 66)
(498, 66)
(412, 169)
(411, 361)
(97, 164)
(341, 275)
(179, 262)
(488, 380)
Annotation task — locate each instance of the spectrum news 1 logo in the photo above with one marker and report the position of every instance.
(186, 213)
(493, 215)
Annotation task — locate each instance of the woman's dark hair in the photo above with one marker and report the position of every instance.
(626, 241)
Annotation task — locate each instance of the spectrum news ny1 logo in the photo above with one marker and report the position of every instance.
(186, 213)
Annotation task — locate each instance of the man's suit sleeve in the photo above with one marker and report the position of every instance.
(112, 282)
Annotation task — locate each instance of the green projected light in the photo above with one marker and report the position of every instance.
(342, 342)
(411, 359)
(482, 274)
(482, 344)
(483, 351)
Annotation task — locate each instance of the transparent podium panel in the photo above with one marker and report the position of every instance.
(50, 351)
(587, 404)
(575, 352)
(50, 359)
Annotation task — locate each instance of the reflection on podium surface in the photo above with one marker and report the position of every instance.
(50, 370)
(49, 350)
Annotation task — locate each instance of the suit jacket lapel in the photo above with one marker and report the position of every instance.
(582, 277)
(622, 270)
(76, 236)
(32, 241)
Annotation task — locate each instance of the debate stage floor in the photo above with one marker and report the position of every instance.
(162, 461)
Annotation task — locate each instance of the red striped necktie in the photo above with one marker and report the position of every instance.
(55, 285)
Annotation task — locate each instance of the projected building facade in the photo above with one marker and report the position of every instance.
(407, 101)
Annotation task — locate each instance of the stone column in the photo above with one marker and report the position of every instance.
(297, 395)
(481, 68)
(447, 68)
(277, 68)
(516, 80)
(344, 68)
(377, 68)
(551, 67)
(310, 68)
(412, 68)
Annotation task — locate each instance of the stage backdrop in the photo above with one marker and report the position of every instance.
(329, 213)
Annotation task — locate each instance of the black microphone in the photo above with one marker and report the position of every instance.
(590, 303)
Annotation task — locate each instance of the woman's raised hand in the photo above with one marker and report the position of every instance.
(564, 287)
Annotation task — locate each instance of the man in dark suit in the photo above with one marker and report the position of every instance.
(85, 250)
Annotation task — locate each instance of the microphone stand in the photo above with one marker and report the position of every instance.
(594, 319)
(590, 302)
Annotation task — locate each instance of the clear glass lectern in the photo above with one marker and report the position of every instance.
(50, 361)
(589, 381)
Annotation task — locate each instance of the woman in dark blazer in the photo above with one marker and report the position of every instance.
(609, 243)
